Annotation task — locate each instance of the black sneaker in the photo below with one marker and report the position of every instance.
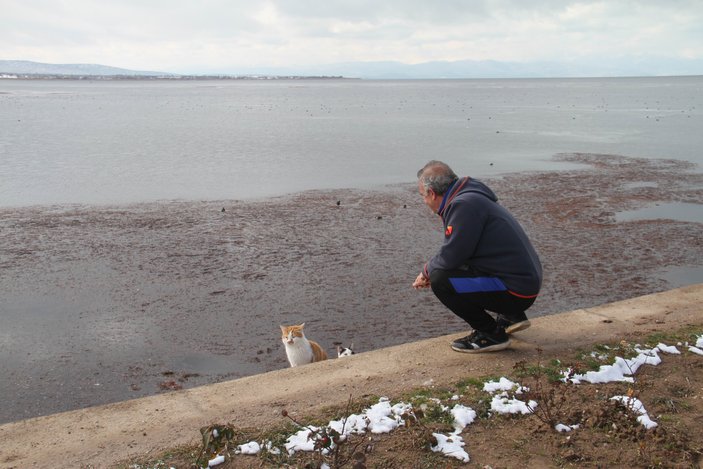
(513, 325)
(479, 341)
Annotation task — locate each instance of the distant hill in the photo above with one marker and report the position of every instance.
(26, 67)
(634, 66)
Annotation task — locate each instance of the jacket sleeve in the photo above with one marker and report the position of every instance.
(464, 220)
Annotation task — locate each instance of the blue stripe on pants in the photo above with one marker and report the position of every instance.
(477, 284)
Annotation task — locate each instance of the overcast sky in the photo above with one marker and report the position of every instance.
(223, 36)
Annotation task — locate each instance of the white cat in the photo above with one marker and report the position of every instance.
(300, 350)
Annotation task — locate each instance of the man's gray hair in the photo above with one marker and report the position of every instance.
(437, 176)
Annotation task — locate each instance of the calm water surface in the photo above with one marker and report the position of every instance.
(133, 141)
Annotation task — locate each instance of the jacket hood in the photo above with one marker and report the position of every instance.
(465, 185)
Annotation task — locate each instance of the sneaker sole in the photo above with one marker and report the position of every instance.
(518, 326)
(490, 348)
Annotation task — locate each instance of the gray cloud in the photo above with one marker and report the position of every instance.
(225, 35)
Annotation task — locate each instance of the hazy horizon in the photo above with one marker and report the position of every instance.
(384, 70)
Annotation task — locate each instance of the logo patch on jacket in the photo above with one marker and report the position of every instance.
(448, 231)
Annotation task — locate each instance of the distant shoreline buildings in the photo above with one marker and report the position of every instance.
(42, 76)
(384, 70)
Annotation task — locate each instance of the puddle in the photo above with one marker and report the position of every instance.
(639, 185)
(679, 211)
(680, 276)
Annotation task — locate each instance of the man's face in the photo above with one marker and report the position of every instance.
(432, 200)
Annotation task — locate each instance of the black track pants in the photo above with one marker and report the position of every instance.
(475, 297)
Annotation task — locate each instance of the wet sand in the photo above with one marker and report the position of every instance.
(102, 304)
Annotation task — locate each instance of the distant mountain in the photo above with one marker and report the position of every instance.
(637, 66)
(25, 67)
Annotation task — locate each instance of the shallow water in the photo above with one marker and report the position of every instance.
(683, 275)
(120, 142)
(680, 211)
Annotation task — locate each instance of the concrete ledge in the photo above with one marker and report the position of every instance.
(101, 436)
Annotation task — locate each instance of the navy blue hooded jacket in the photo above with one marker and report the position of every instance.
(482, 237)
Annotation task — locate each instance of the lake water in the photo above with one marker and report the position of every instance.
(119, 142)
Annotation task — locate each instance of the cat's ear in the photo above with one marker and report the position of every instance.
(283, 328)
(302, 325)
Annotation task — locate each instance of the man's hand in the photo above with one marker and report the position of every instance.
(421, 282)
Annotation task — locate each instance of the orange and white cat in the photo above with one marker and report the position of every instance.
(299, 349)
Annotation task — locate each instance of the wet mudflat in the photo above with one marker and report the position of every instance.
(107, 303)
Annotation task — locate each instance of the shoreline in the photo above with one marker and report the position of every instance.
(122, 302)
